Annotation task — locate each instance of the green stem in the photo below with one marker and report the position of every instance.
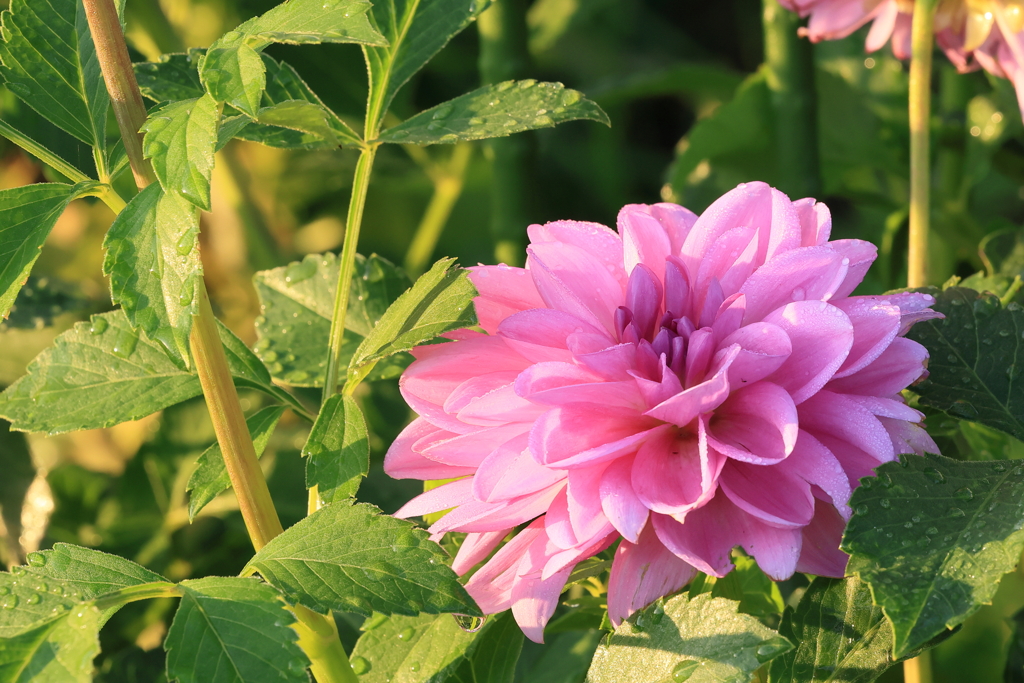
(448, 181)
(1011, 292)
(318, 638)
(145, 591)
(789, 68)
(504, 54)
(360, 185)
(922, 46)
(41, 153)
(918, 669)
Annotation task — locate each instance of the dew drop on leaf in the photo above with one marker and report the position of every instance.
(885, 503)
(964, 493)
(772, 648)
(442, 112)
(9, 602)
(570, 97)
(36, 559)
(33, 599)
(956, 512)
(683, 670)
(406, 633)
(99, 325)
(414, 667)
(933, 474)
(4, 590)
(476, 121)
(360, 665)
(505, 85)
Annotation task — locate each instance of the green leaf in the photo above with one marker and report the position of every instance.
(153, 263)
(284, 85)
(841, 636)
(302, 117)
(418, 649)
(96, 374)
(757, 594)
(29, 213)
(49, 61)
(210, 476)
(297, 302)
(496, 111)
(440, 301)
(55, 581)
(415, 32)
(302, 22)
(172, 77)
(233, 73)
(179, 140)
(233, 630)
(60, 651)
(933, 536)
(337, 450)
(705, 637)
(352, 558)
(497, 650)
(566, 658)
(975, 370)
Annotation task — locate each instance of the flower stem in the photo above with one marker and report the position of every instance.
(918, 669)
(789, 67)
(504, 54)
(360, 185)
(448, 178)
(922, 46)
(145, 591)
(318, 638)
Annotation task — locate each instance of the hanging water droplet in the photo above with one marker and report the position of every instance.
(360, 665)
(468, 623)
(683, 670)
(964, 493)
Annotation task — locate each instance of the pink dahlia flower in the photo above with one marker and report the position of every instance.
(979, 33)
(683, 387)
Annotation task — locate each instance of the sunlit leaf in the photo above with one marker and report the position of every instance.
(297, 304)
(154, 266)
(419, 649)
(233, 73)
(233, 630)
(59, 651)
(27, 214)
(179, 142)
(351, 558)
(49, 61)
(312, 21)
(172, 77)
(933, 536)
(337, 451)
(210, 477)
(441, 300)
(705, 638)
(496, 111)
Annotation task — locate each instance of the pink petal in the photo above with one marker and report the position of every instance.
(467, 450)
(887, 407)
(403, 462)
(641, 574)
(769, 493)
(644, 239)
(698, 356)
(899, 366)
(475, 387)
(875, 325)
(595, 239)
(585, 509)
(806, 273)
(860, 255)
(576, 282)
(706, 538)
(763, 348)
(677, 222)
(643, 299)
(820, 553)
(821, 336)
(881, 29)
(619, 502)
(498, 407)
(477, 516)
(839, 18)
(758, 424)
(562, 559)
(443, 497)
(908, 437)
(564, 384)
(541, 334)
(557, 524)
(815, 222)
(534, 600)
(682, 408)
(475, 548)
(611, 363)
(674, 472)
(491, 585)
(503, 291)
(569, 437)
(851, 432)
(816, 465)
(729, 259)
(510, 472)
(677, 287)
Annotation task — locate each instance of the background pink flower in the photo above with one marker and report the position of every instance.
(981, 33)
(687, 385)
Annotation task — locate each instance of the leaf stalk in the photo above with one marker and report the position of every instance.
(922, 47)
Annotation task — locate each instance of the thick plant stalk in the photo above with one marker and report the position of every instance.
(327, 656)
(922, 46)
(789, 67)
(504, 55)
